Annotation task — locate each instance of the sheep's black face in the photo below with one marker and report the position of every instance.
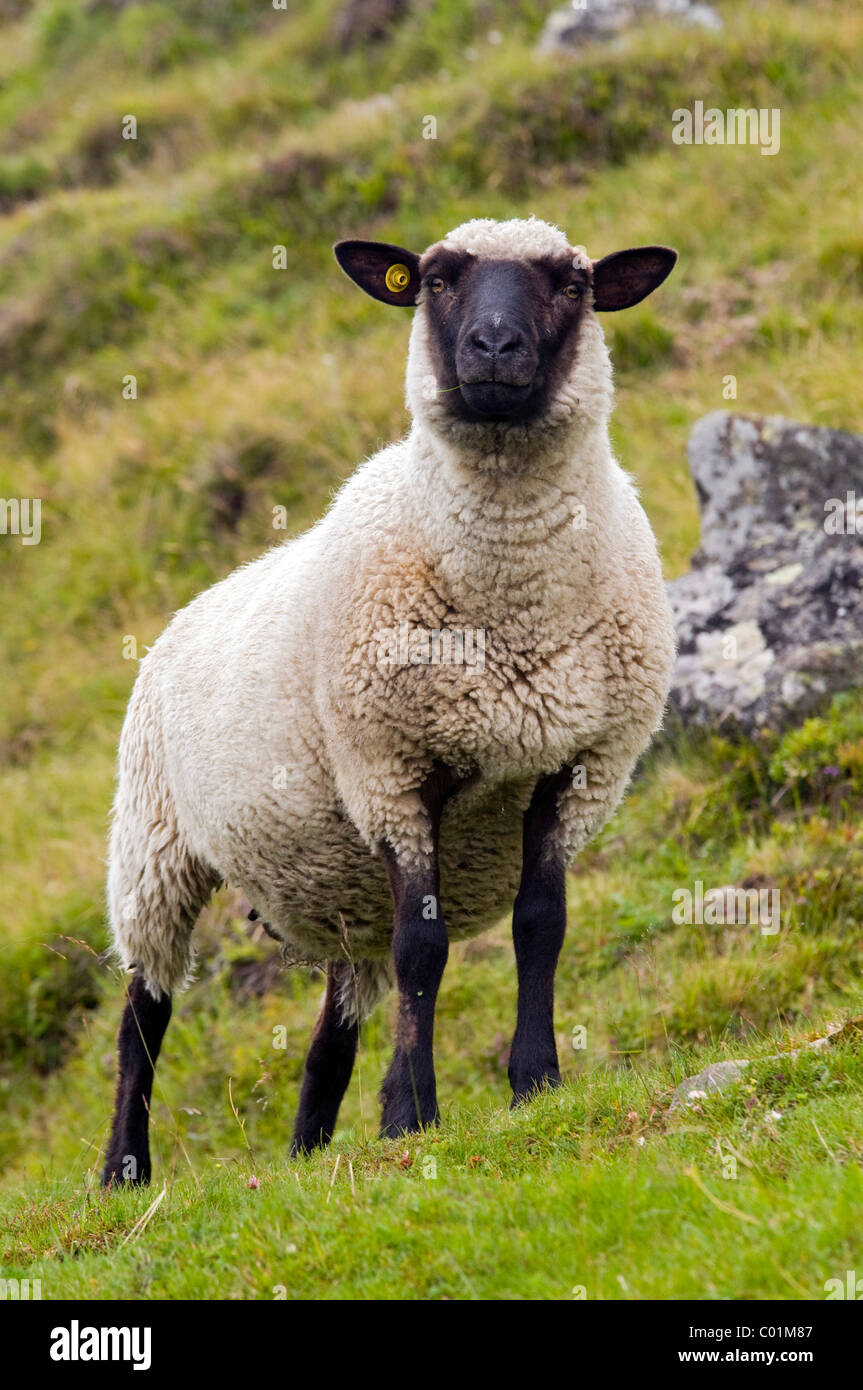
(503, 333)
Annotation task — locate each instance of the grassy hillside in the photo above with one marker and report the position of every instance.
(153, 258)
(757, 1191)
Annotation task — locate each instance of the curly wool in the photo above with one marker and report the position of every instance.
(268, 742)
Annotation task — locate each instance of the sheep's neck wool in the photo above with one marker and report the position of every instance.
(489, 498)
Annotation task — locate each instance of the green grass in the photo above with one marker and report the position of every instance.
(591, 1191)
(258, 387)
(567, 1190)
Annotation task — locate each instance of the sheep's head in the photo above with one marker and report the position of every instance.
(506, 333)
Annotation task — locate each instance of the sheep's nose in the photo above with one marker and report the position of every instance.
(495, 340)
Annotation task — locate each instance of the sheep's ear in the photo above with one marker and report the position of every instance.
(626, 277)
(389, 273)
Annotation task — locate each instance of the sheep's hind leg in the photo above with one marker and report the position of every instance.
(538, 929)
(420, 949)
(156, 890)
(328, 1066)
(141, 1031)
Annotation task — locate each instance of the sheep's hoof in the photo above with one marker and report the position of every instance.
(305, 1144)
(395, 1128)
(529, 1087)
(112, 1180)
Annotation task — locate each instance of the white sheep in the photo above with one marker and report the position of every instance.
(447, 680)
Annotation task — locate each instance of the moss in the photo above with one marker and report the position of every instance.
(824, 755)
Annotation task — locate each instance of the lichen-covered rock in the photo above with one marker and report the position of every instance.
(770, 617)
(593, 20)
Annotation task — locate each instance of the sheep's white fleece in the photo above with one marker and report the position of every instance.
(266, 743)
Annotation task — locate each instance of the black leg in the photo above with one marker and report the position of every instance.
(327, 1071)
(538, 929)
(420, 949)
(141, 1031)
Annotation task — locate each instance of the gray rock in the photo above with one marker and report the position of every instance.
(595, 20)
(720, 1075)
(716, 1077)
(770, 617)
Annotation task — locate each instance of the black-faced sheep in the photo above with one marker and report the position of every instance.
(389, 729)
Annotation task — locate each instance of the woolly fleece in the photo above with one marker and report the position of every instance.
(272, 742)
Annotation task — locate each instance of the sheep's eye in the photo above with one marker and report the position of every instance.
(436, 284)
(572, 292)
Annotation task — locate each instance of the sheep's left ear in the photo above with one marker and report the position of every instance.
(386, 272)
(626, 277)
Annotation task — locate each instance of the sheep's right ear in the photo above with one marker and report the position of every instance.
(386, 272)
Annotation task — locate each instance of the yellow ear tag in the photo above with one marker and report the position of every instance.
(397, 278)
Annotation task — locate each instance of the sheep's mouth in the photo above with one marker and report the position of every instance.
(495, 400)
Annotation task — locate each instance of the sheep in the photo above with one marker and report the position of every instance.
(295, 731)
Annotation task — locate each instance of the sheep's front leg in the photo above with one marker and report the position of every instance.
(538, 929)
(420, 949)
(564, 814)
